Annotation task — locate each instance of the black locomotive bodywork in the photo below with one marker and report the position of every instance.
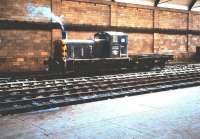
(107, 51)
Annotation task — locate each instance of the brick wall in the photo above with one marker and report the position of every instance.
(140, 43)
(134, 17)
(194, 40)
(85, 13)
(194, 21)
(170, 19)
(24, 10)
(25, 50)
(171, 44)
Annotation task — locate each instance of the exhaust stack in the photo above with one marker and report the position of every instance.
(64, 34)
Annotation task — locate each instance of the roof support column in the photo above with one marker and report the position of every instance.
(188, 22)
(154, 20)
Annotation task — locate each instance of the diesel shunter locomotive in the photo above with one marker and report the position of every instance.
(108, 51)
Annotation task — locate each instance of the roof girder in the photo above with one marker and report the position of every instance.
(191, 4)
(156, 3)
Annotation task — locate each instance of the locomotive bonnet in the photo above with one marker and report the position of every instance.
(104, 45)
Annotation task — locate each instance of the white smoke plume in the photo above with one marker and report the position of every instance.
(46, 12)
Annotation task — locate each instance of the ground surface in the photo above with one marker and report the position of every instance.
(164, 115)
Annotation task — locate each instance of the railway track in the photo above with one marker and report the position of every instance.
(17, 77)
(26, 95)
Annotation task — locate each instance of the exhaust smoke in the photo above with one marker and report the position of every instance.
(34, 11)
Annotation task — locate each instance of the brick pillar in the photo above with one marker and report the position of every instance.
(113, 14)
(156, 35)
(156, 43)
(56, 6)
(188, 28)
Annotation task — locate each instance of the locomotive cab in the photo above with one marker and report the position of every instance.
(115, 43)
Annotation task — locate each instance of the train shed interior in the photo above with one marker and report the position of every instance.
(99, 69)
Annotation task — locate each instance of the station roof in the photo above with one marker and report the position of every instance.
(193, 5)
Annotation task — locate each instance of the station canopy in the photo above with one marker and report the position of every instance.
(193, 5)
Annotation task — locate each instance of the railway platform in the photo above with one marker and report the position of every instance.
(173, 114)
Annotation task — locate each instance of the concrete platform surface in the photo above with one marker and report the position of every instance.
(173, 114)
